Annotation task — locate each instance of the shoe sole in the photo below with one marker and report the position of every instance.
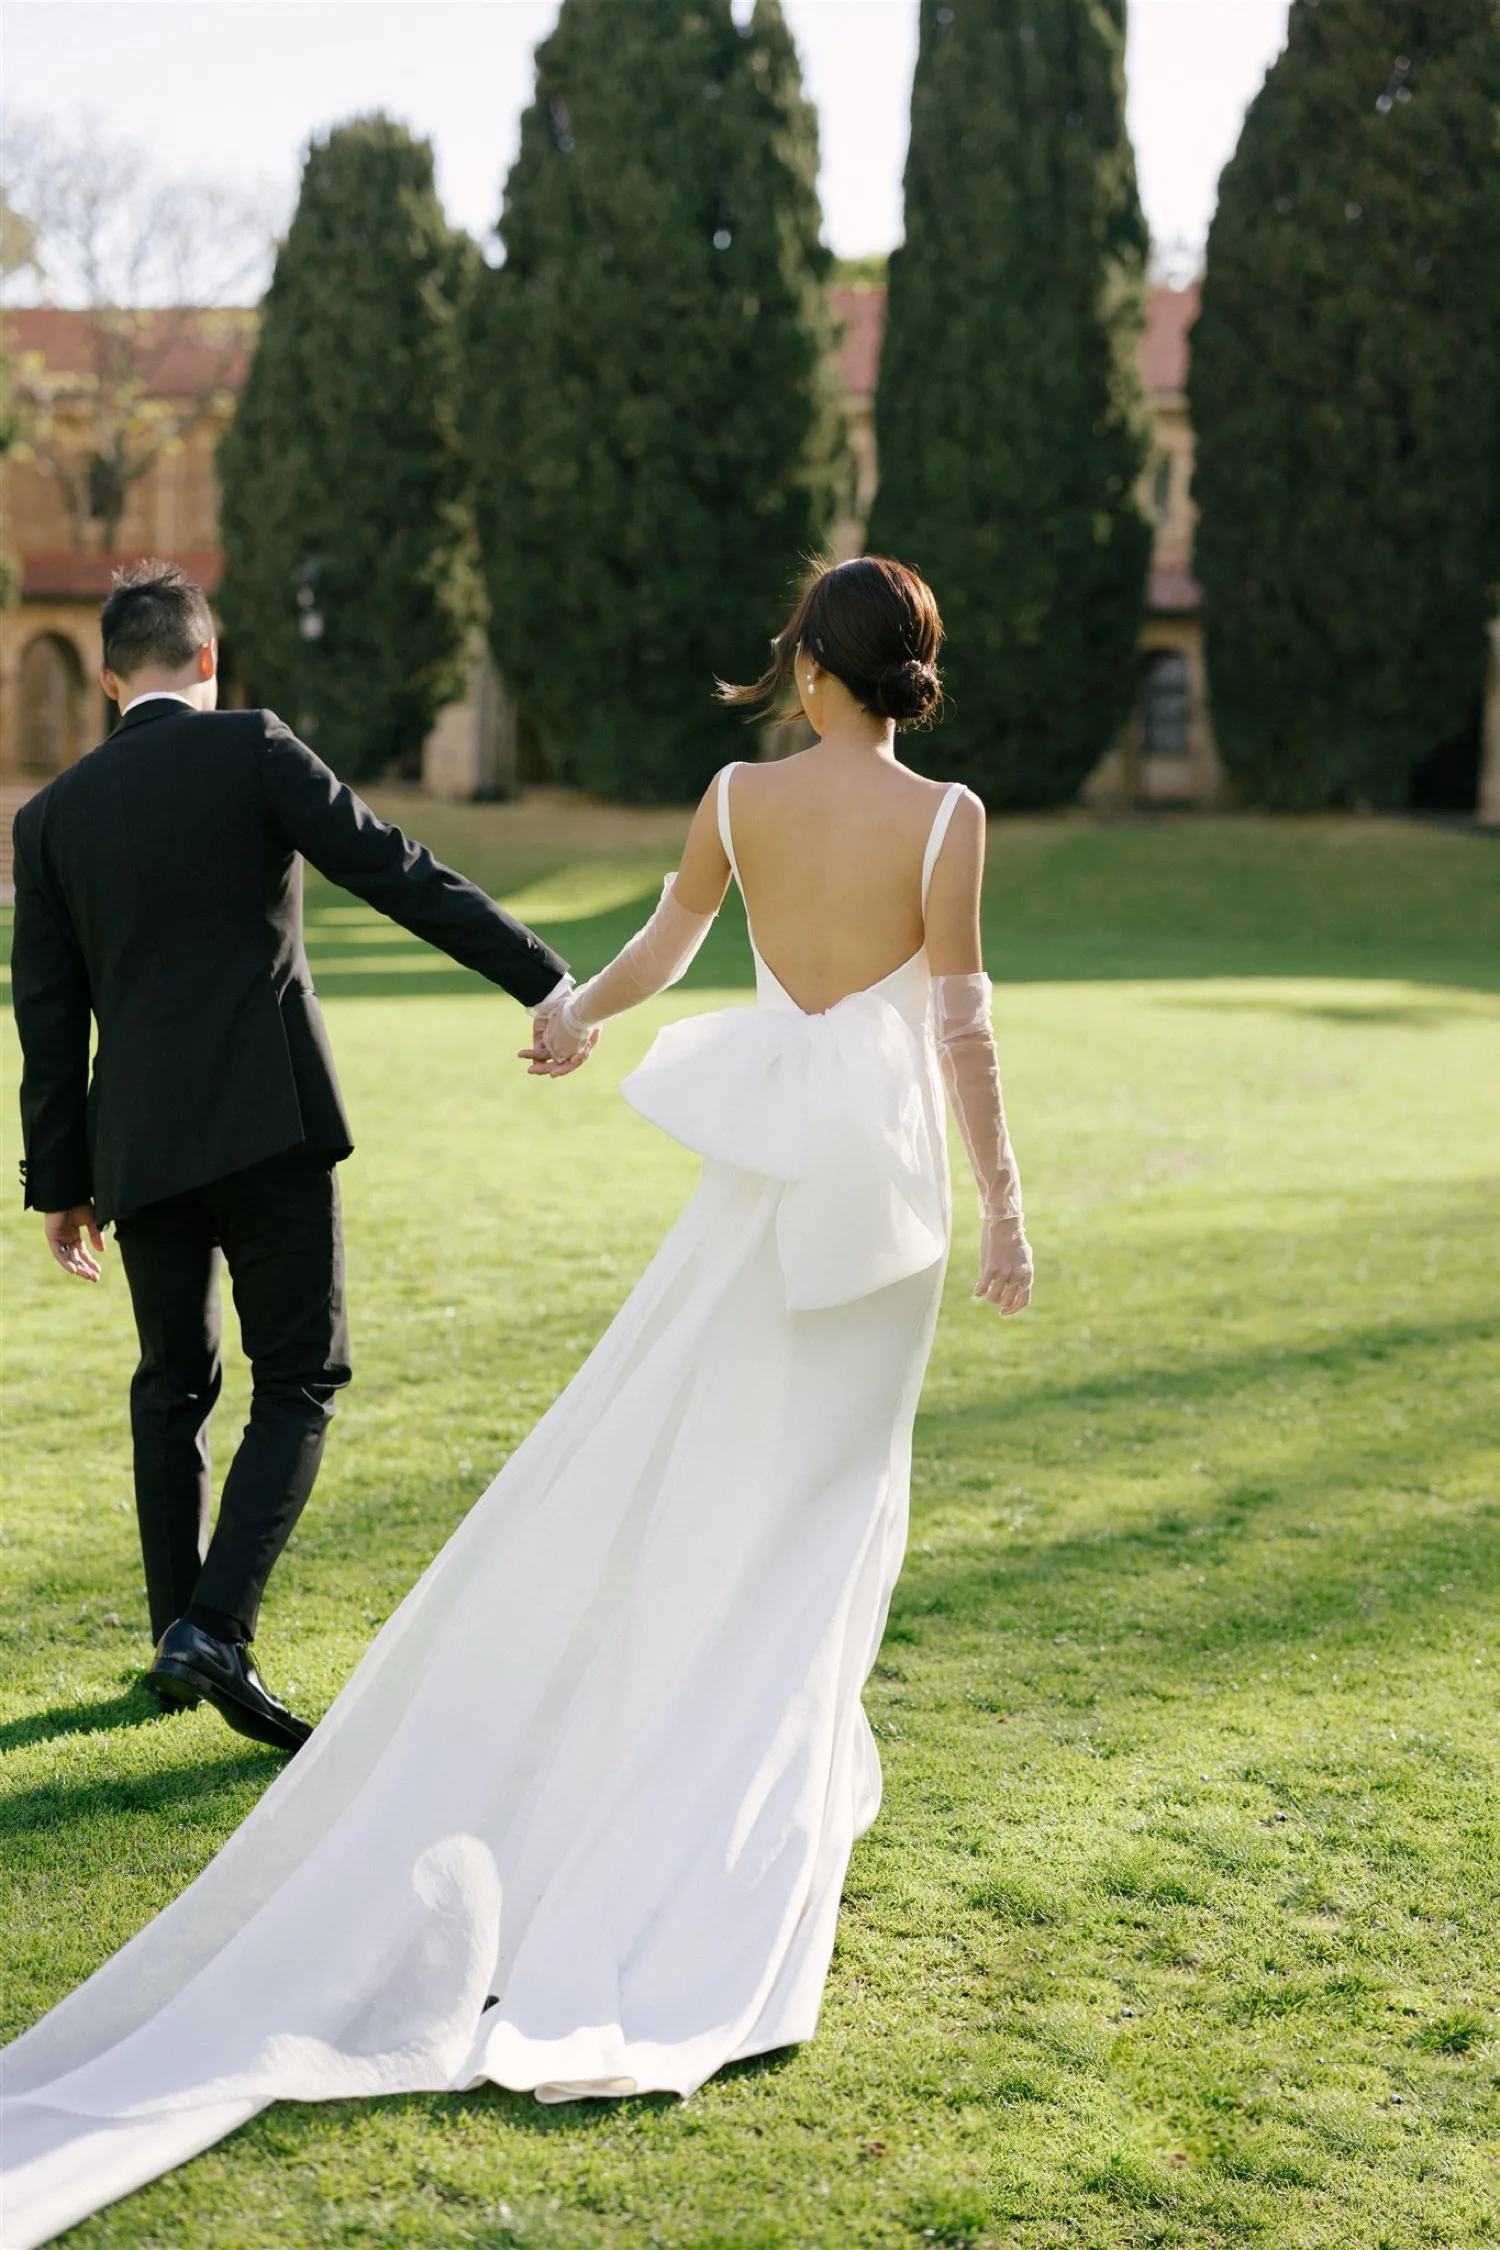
(172, 1693)
(185, 1686)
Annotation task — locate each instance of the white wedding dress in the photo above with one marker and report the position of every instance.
(607, 1760)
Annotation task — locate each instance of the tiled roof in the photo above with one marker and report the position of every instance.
(193, 345)
(1170, 313)
(179, 353)
(61, 575)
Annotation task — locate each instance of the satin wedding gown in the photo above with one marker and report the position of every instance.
(607, 1760)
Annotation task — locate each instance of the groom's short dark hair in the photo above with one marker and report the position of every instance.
(155, 614)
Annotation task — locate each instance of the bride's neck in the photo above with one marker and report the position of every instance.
(856, 738)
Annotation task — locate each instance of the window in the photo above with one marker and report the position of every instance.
(1161, 487)
(1164, 705)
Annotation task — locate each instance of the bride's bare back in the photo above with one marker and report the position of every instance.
(830, 845)
(831, 848)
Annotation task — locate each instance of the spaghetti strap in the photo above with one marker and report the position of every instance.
(936, 833)
(726, 836)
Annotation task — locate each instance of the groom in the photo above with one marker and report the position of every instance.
(159, 891)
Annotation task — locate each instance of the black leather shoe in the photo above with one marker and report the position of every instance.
(190, 1666)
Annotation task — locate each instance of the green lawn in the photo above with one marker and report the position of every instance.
(1179, 1923)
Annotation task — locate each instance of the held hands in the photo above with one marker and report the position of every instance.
(65, 1232)
(557, 1049)
(1005, 1268)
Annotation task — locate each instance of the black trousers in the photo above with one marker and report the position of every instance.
(277, 1227)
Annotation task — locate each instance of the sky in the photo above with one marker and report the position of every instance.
(231, 90)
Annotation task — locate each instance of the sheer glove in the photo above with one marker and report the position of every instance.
(542, 1065)
(971, 1072)
(659, 953)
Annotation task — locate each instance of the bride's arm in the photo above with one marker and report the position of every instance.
(971, 1068)
(658, 954)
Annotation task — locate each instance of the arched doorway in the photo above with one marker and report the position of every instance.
(51, 704)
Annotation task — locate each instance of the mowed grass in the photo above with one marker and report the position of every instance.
(1178, 1925)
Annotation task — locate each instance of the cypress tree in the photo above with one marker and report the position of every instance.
(1345, 388)
(1009, 417)
(349, 586)
(655, 423)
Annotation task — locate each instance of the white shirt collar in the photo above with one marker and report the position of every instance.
(159, 695)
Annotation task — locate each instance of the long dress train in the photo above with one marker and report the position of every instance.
(608, 1758)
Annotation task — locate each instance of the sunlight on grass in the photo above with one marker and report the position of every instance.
(589, 887)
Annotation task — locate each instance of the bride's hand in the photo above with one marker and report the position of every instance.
(1005, 1264)
(556, 1050)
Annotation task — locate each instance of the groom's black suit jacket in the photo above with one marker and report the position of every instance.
(159, 888)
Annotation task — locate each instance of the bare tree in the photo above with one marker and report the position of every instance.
(155, 266)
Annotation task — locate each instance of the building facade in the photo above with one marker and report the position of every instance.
(115, 420)
(1166, 751)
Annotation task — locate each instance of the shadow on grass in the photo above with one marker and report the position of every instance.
(30, 1812)
(1414, 1014)
(758, 2066)
(1096, 1584)
(1316, 1572)
(523, 2110)
(406, 969)
(137, 1707)
(1202, 1375)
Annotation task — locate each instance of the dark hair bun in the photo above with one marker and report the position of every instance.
(906, 691)
(869, 622)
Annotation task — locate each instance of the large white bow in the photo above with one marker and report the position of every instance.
(831, 1105)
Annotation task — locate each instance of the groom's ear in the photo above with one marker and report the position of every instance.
(208, 660)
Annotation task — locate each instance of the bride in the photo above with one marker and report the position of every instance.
(579, 1822)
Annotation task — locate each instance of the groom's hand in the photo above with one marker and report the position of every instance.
(65, 1232)
(543, 1063)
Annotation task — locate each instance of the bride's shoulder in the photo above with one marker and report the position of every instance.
(936, 785)
(750, 783)
(742, 775)
(928, 792)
